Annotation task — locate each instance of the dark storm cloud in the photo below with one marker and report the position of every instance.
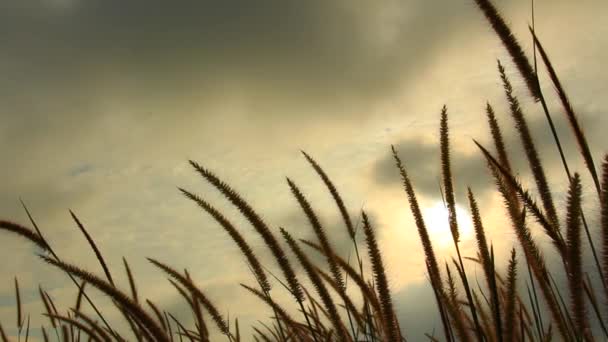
(329, 51)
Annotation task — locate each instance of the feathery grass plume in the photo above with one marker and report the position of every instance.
(422, 231)
(328, 302)
(366, 291)
(581, 140)
(81, 327)
(319, 232)
(187, 283)
(94, 247)
(448, 185)
(499, 144)
(503, 181)
(531, 250)
(510, 42)
(487, 263)
(24, 232)
(510, 299)
(259, 225)
(388, 311)
(341, 207)
(604, 218)
(530, 149)
(19, 312)
(126, 303)
(451, 290)
(575, 262)
(258, 271)
(431, 261)
(446, 174)
(131, 280)
(512, 185)
(334, 193)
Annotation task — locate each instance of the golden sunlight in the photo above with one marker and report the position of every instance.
(436, 220)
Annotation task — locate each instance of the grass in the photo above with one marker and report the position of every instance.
(347, 304)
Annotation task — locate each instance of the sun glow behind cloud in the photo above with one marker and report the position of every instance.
(436, 220)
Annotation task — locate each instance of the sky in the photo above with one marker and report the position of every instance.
(104, 103)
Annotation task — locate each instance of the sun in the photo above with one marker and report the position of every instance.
(436, 221)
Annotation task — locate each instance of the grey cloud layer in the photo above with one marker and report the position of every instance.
(469, 169)
(313, 50)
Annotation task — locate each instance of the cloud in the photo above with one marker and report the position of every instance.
(421, 160)
(421, 157)
(269, 52)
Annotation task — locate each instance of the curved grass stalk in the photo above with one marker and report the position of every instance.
(328, 302)
(236, 236)
(107, 288)
(260, 226)
(187, 283)
(319, 232)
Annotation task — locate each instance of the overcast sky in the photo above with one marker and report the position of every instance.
(104, 101)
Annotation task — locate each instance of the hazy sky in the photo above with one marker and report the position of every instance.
(104, 102)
